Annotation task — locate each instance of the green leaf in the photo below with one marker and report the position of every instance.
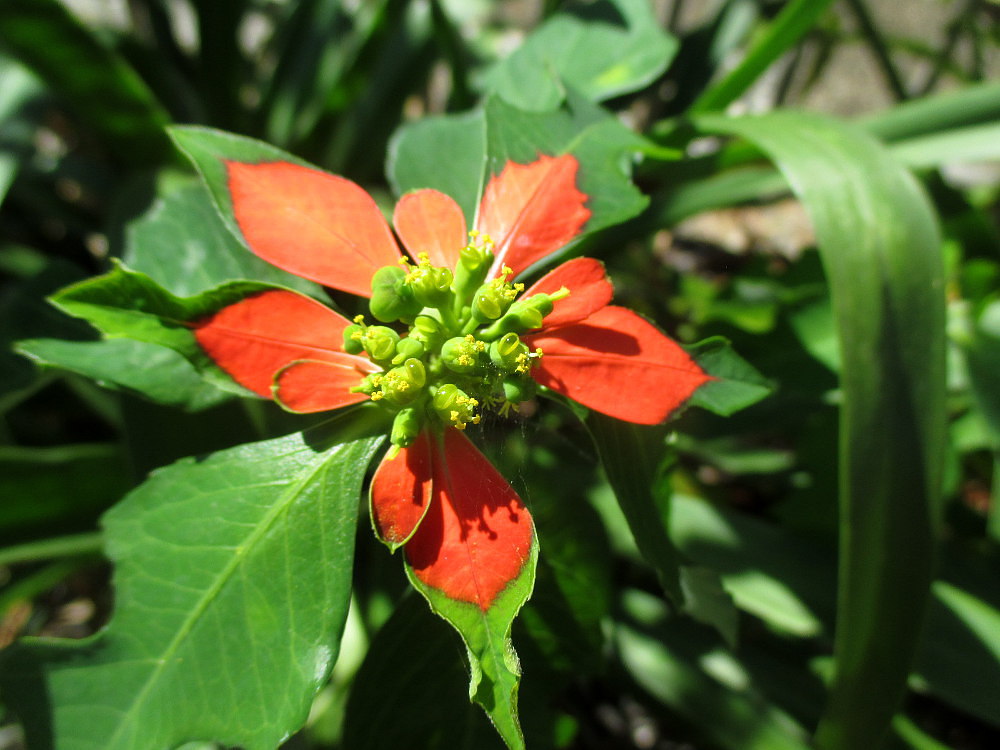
(880, 245)
(970, 105)
(495, 669)
(417, 149)
(480, 144)
(151, 371)
(980, 343)
(737, 384)
(815, 329)
(182, 244)
(959, 659)
(773, 575)
(668, 657)
(573, 585)
(24, 313)
(708, 602)
(412, 689)
(791, 24)
(633, 458)
(126, 304)
(970, 145)
(45, 489)
(18, 119)
(97, 84)
(597, 58)
(233, 577)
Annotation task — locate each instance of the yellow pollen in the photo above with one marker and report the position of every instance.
(377, 396)
(359, 319)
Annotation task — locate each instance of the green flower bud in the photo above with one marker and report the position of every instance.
(353, 336)
(380, 343)
(430, 285)
(509, 354)
(454, 406)
(461, 354)
(489, 303)
(406, 425)
(474, 263)
(524, 315)
(406, 348)
(392, 299)
(415, 372)
(540, 303)
(403, 384)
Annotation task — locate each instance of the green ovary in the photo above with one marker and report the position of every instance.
(454, 347)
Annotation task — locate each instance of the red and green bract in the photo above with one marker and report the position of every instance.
(464, 530)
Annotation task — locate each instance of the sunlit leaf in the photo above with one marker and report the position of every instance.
(880, 246)
(233, 577)
(598, 58)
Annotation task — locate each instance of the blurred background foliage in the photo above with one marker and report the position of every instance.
(88, 174)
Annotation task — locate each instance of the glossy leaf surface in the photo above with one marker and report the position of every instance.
(209, 150)
(252, 545)
(151, 371)
(126, 304)
(182, 244)
(417, 150)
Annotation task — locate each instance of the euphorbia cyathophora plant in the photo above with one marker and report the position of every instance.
(451, 335)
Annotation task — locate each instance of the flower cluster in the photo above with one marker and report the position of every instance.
(451, 334)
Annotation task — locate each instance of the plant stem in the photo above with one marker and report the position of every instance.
(46, 549)
(879, 49)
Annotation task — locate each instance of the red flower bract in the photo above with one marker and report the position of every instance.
(464, 530)
(467, 532)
